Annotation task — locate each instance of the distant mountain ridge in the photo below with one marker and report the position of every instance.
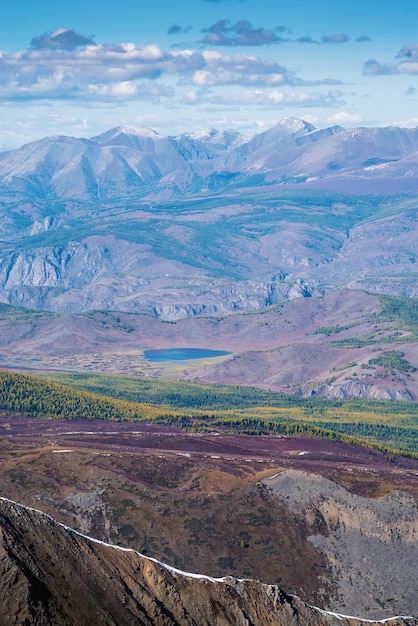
(137, 161)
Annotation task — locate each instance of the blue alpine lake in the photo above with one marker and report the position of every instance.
(181, 354)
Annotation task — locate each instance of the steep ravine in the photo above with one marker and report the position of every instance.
(370, 545)
(49, 574)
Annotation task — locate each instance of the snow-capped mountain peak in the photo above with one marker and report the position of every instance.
(130, 136)
(295, 125)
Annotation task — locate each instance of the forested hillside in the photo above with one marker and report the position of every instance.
(386, 426)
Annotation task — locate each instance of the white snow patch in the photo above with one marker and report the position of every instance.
(371, 168)
(274, 476)
(366, 621)
(77, 432)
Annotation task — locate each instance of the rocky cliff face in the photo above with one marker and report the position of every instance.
(104, 273)
(49, 574)
(369, 544)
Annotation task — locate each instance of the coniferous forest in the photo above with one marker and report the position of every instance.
(391, 427)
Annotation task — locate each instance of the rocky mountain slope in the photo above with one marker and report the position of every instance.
(207, 222)
(379, 542)
(52, 575)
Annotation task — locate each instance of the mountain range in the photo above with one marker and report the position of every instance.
(207, 222)
(138, 162)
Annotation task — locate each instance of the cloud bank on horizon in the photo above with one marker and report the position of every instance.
(231, 71)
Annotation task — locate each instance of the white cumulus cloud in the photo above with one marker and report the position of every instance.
(67, 66)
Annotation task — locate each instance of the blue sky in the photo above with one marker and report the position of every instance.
(81, 67)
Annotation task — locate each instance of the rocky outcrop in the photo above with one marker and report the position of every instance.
(356, 389)
(49, 574)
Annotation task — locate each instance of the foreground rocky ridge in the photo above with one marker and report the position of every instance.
(211, 503)
(52, 575)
